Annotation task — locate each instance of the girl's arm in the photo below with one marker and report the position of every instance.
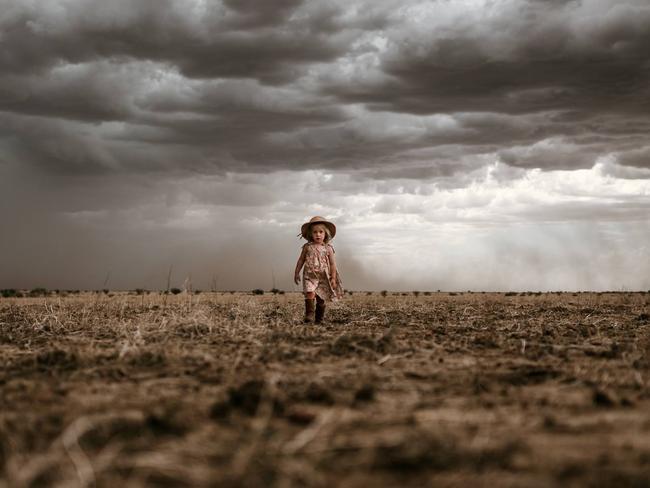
(299, 264)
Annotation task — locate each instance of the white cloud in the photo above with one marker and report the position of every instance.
(491, 234)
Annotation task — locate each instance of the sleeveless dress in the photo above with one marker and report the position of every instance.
(316, 273)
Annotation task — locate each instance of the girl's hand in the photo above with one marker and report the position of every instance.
(333, 283)
(296, 278)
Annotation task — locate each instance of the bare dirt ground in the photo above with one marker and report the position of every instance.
(233, 390)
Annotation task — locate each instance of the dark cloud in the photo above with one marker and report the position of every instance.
(510, 82)
(635, 157)
(203, 40)
(253, 14)
(134, 135)
(551, 154)
(515, 57)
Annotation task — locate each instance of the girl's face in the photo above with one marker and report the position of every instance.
(318, 234)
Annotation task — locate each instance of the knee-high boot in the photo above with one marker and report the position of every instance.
(309, 310)
(320, 310)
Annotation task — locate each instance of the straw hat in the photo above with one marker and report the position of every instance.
(317, 220)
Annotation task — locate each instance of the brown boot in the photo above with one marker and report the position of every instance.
(320, 310)
(309, 310)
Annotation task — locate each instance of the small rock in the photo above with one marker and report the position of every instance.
(627, 402)
(247, 396)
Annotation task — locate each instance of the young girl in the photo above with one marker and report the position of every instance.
(321, 281)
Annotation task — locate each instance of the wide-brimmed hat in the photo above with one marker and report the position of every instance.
(317, 220)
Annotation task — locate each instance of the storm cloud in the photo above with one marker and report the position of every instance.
(135, 135)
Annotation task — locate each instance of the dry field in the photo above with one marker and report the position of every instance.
(232, 390)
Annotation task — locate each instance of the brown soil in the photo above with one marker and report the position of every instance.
(233, 390)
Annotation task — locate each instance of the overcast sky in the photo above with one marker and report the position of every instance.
(465, 144)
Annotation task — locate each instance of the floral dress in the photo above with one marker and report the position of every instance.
(316, 273)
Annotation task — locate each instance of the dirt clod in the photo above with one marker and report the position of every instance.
(247, 396)
(365, 394)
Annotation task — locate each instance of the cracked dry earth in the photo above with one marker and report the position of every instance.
(216, 389)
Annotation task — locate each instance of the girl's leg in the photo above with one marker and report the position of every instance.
(320, 310)
(310, 306)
